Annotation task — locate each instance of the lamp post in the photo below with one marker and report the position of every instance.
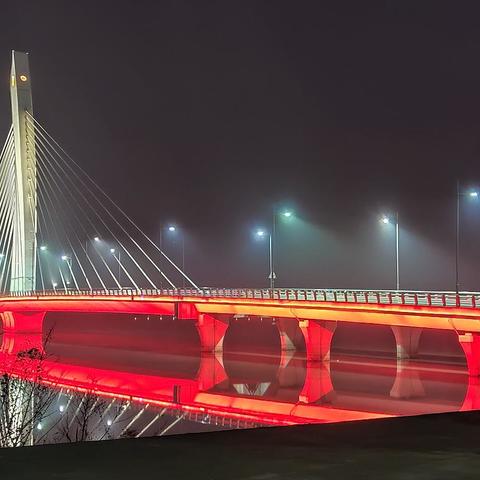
(386, 220)
(173, 230)
(42, 248)
(96, 239)
(272, 242)
(117, 258)
(68, 260)
(473, 194)
(260, 233)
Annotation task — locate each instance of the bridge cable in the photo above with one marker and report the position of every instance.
(8, 200)
(88, 219)
(46, 182)
(101, 219)
(113, 203)
(118, 241)
(43, 182)
(107, 227)
(44, 197)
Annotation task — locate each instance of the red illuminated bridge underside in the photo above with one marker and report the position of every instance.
(191, 395)
(208, 391)
(315, 320)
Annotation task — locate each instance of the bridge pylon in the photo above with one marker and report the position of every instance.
(23, 269)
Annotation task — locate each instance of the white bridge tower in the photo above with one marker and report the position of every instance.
(24, 247)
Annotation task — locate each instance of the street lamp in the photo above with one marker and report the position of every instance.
(287, 214)
(43, 248)
(68, 259)
(169, 228)
(473, 194)
(260, 233)
(172, 229)
(386, 220)
(117, 258)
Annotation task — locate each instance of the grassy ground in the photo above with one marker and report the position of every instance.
(445, 446)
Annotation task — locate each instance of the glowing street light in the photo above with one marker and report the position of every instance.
(173, 229)
(473, 194)
(260, 233)
(97, 239)
(68, 259)
(386, 220)
(117, 258)
(43, 248)
(288, 214)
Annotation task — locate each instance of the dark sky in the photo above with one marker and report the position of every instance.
(210, 113)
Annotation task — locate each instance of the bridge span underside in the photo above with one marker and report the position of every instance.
(301, 324)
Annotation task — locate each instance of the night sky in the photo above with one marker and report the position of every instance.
(209, 114)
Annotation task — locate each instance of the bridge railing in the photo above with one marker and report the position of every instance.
(378, 297)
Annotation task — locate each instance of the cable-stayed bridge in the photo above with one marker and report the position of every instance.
(59, 229)
(65, 245)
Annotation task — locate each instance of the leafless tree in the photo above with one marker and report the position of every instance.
(83, 419)
(24, 401)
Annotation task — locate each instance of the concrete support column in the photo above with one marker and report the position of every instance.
(291, 371)
(290, 336)
(22, 322)
(318, 338)
(212, 332)
(471, 400)
(470, 343)
(318, 382)
(407, 340)
(211, 371)
(407, 383)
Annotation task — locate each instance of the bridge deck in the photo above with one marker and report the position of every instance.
(438, 310)
(315, 312)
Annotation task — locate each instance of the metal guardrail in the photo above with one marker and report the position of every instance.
(378, 297)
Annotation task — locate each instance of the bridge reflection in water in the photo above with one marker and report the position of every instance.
(125, 392)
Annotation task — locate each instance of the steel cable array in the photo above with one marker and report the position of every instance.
(85, 241)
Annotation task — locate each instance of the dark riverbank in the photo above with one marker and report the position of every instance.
(436, 447)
